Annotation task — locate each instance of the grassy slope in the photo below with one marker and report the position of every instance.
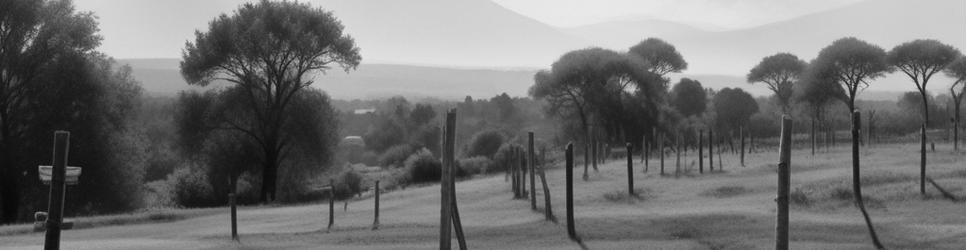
(729, 210)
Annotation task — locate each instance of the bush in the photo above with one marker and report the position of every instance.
(500, 159)
(485, 143)
(396, 155)
(423, 167)
(475, 165)
(347, 184)
(189, 187)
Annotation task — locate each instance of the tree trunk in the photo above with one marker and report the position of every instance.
(856, 180)
(269, 176)
(956, 128)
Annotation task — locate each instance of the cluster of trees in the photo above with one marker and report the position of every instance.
(52, 78)
(624, 96)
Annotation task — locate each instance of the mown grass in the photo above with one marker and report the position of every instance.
(148, 216)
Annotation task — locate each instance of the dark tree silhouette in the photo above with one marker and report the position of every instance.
(920, 60)
(267, 51)
(661, 57)
(734, 108)
(852, 63)
(779, 72)
(688, 97)
(957, 71)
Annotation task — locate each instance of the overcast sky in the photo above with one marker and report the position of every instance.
(128, 25)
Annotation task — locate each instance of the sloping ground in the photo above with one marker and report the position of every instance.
(724, 210)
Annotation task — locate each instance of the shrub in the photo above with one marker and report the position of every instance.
(485, 143)
(423, 167)
(190, 188)
(347, 184)
(396, 155)
(475, 165)
(369, 158)
(500, 159)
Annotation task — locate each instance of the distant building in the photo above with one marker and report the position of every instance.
(353, 140)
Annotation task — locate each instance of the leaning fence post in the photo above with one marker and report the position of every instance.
(630, 170)
(781, 230)
(548, 210)
(571, 230)
(234, 216)
(375, 222)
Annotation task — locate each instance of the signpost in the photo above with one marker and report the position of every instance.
(58, 176)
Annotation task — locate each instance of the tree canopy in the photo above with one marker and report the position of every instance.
(688, 97)
(779, 72)
(852, 63)
(268, 51)
(920, 60)
(734, 107)
(661, 57)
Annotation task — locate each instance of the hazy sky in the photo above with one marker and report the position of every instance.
(726, 14)
(153, 28)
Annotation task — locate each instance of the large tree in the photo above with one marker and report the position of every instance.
(269, 51)
(957, 71)
(852, 63)
(688, 97)
(920, 60)
(36, 37)
(779, 72)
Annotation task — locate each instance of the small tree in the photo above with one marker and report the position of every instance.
(661, 57)
(957, 71)
(779, 72)
(689, 97)
(734, 107)
(267, 51)
(920, 60)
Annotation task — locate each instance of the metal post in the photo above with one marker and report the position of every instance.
(57, 189)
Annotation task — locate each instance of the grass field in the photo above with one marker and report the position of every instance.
(730, 209)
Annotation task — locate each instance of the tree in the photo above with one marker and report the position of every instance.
(920, 60)
(421, 114)
(688, 97)
(734, 108)
(589, 84)
(37, 38)
(779, 72)
(817, 92)
(852, 63)
(267, 51)
(957, 71)
(661, 57)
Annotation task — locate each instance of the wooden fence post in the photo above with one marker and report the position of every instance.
(785, 156)
(548, 210)
(523, 172)
(586, 160)
(677, 163)
(331, 204)
(446, 188)
(571, 230)
(856, 180)
(711, 150)
(660, 151)
(630, 170)
(595, 152)
(700, 151)
(741, 132)
(531, 162)
(234, 216)
(375, 222)
(58, 187)
(646, 153)
(922, 160)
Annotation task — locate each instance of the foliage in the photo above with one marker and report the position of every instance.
(396, 155)
(661, 57)
(485, 143)
(734, 108)
(422, 167)
(920, 60)
(779, 72)
(422, 114)
(266, 50)
(348, 183)
(190, 188)
(852, 63)
(384, 134)
(818, 91)
(475, 165)
(503, 156)
(688, 97)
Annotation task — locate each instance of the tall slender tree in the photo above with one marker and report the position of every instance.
(268, 51)
(920, 60)
(957, 71)
(779, 72)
